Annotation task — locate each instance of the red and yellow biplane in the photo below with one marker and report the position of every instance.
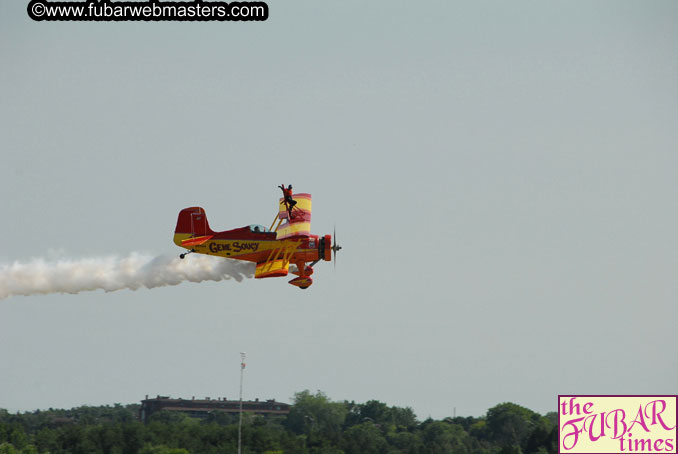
(287, 241)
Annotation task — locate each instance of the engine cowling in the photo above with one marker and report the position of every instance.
(325, 248)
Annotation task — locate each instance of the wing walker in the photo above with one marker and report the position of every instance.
(288, 240)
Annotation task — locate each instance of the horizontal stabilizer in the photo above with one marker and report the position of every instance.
(190, 242)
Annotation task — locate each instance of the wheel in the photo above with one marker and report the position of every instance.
(304, 288)
(181, 256)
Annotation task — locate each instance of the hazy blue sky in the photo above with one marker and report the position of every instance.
(503, 177)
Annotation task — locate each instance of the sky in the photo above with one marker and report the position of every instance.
(501, 175)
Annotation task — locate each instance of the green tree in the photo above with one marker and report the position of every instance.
(17, 437)
(315, 425)
(7, 448)
(405, 442)
(376, 411)
(132, 437)
(315, 414)
(46, 440)
(162, 449)
(365, 438)
(441, 437)
(544, 437)
(404, 417)
(379, 413)
(478, 430)
(29, 449)
(509, 424)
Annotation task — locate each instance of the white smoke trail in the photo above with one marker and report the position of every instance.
(115, 273)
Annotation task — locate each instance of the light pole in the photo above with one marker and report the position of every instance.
(242, 370)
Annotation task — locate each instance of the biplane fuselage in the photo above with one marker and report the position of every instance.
(273, 249)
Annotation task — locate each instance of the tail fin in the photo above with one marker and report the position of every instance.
(192, 222)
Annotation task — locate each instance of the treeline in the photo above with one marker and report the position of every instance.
(315, 425)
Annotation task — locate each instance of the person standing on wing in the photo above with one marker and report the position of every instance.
(289, 201)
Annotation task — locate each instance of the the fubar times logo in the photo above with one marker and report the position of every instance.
(617, 424)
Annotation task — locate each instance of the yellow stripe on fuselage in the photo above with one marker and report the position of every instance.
(238, 248)
(250, 250)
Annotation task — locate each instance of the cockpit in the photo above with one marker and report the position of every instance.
(257, 228)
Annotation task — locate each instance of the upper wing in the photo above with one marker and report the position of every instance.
(299, 224)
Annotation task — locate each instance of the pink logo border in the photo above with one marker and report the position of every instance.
(673, 396)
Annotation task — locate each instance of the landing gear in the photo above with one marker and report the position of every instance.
(303, 282)
(181, 256)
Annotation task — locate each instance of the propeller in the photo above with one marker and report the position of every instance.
(335, 247)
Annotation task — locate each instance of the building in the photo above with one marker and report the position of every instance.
(201, 408)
